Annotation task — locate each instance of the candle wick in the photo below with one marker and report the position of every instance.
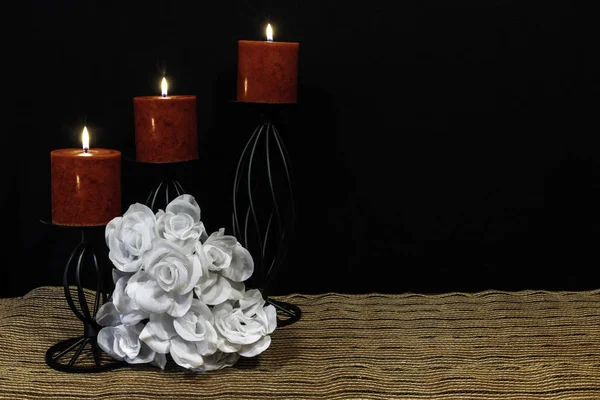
(164, 95)
(85, 150)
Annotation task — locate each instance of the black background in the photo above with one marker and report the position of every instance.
(436, 145)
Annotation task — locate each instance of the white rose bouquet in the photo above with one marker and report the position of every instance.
(180, 292)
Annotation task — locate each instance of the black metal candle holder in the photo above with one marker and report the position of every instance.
(70, 355)
(166, 186)
(263, 214)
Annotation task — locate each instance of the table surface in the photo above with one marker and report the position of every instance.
(486, 345)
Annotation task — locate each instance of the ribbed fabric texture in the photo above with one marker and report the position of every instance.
(487, 345)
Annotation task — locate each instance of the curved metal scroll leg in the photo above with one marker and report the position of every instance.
(78, 264)
(292, 312)
(264, 210)
(162, 194)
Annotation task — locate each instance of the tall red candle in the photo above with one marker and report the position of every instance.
(165, 128)
(267, 71)
(85, 186)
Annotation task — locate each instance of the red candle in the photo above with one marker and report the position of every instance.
(86, 185)
(267, 71)
(165, 127)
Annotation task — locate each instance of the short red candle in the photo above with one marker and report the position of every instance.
(267, 71)
(86, 187)
(165, 128)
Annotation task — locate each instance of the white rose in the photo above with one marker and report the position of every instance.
(185, 354)
(130, 236)
(121, 308)
(158, 333)
(246, 334)
(214, 287)
(151, 298)
(252, 302)
(180, 223)
(122, 343)
(184, 204)
(173, 270)
(196, 327)
(225, 254)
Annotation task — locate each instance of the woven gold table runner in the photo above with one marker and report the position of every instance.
(487, 345)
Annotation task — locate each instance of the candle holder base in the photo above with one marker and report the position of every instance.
(263, 214)
(292, 312)
(82, 354)
(78, 363)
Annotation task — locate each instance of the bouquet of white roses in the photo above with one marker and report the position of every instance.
(180, 291)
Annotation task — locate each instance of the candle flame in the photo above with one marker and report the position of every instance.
(164, 86)
(85, 140)
(269, 33)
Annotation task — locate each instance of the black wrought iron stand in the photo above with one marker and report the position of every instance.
(167, 186)
(263, 204)
(70, 355)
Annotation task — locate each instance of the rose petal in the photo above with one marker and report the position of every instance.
(201, 309)
(158, 332)
(252, 301)
(217, 361)
(118, 274)
(111, 226)
(219, 239)
(129, 237)
(152, 299)
(121, 342)
(130, 313)
(194, 274)
(217, 292)
(228, 347)
(134, 317)
(219, 259)
(254, 349)
(185, 203)
(210, 342)
(237, 290)
(203, 233)
(184, 330)
(160, 360)
(242, 265)
(194, 327)
(120, 299)
(158, 345)
(142, 212)
(145, 355)
(181, 304)
(105, 340)
(271, 318)
(138, 280)
(185, 354)
(108, 315)
(117, 253)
